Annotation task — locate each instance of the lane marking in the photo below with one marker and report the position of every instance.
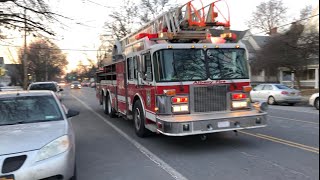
(284, 142)
(294, 120)
(294, 110)
(151, 156)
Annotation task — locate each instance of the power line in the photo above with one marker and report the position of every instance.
(62, 49)
(99, 4)
(86, 50)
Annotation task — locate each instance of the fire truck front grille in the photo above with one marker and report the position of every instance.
(209, 98)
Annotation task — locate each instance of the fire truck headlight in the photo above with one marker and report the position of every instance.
(180, 108)
(239, 104)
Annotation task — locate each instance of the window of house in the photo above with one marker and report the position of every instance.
(286, 76)
(311, 74)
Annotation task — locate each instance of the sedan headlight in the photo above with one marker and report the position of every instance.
(54, 148)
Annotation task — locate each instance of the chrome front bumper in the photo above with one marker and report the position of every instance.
(192, 124)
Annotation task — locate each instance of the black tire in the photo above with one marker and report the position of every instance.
(74, 173)
(316, 103)
(100, 99)
(139, 120)
(105, 104)
(110, 111)
(271, 100)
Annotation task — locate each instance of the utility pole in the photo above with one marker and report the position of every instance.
(25, 65)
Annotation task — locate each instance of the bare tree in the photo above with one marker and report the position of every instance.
(293, 50)
(123, 19)
(150, 9)
(306, 12)
(45, 60)
(268, 15)
(12, 15)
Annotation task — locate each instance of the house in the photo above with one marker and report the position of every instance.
(310, 78)
(10, 74)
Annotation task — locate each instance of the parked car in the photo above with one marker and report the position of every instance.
(37, 140)
(52, 86)
(75, 85)
(92, 84)
(314, 100)
(62, 83)
(275, 93)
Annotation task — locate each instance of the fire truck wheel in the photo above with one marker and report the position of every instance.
(139, 120)
(105, 105)
(111, 112)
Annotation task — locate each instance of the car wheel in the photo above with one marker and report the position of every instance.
(111, 111)
(74, 177)
(271, 100)
(139, 120)
(316, 103)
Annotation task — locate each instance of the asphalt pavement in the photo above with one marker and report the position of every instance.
(108, 149)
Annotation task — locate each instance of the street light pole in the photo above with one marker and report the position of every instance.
(25, 66)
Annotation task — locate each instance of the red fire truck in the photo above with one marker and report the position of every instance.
(173, 77)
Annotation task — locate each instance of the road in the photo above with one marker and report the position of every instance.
(108, 149)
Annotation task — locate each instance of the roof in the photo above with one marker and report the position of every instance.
(261, 40)
(248, 46)
(48, 82)
(25, 93)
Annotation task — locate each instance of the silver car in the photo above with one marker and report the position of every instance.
(275, 93)
(36, 137)
(52, 86)
(314, 100)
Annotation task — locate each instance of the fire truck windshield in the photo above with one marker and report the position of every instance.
(227, 64)
(198, 64)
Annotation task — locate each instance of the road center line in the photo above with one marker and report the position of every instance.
(294, 120)
(154, 158)
(285, 142)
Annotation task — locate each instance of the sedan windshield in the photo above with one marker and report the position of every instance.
(31, 109)
(198, 64)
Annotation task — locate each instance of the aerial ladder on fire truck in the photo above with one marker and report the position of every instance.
(181, 24)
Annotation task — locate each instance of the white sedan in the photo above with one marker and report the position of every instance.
(275, 93)
(314, 100)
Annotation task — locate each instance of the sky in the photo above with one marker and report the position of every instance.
(89, 16)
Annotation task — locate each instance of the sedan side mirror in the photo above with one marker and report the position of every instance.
(72, 113)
